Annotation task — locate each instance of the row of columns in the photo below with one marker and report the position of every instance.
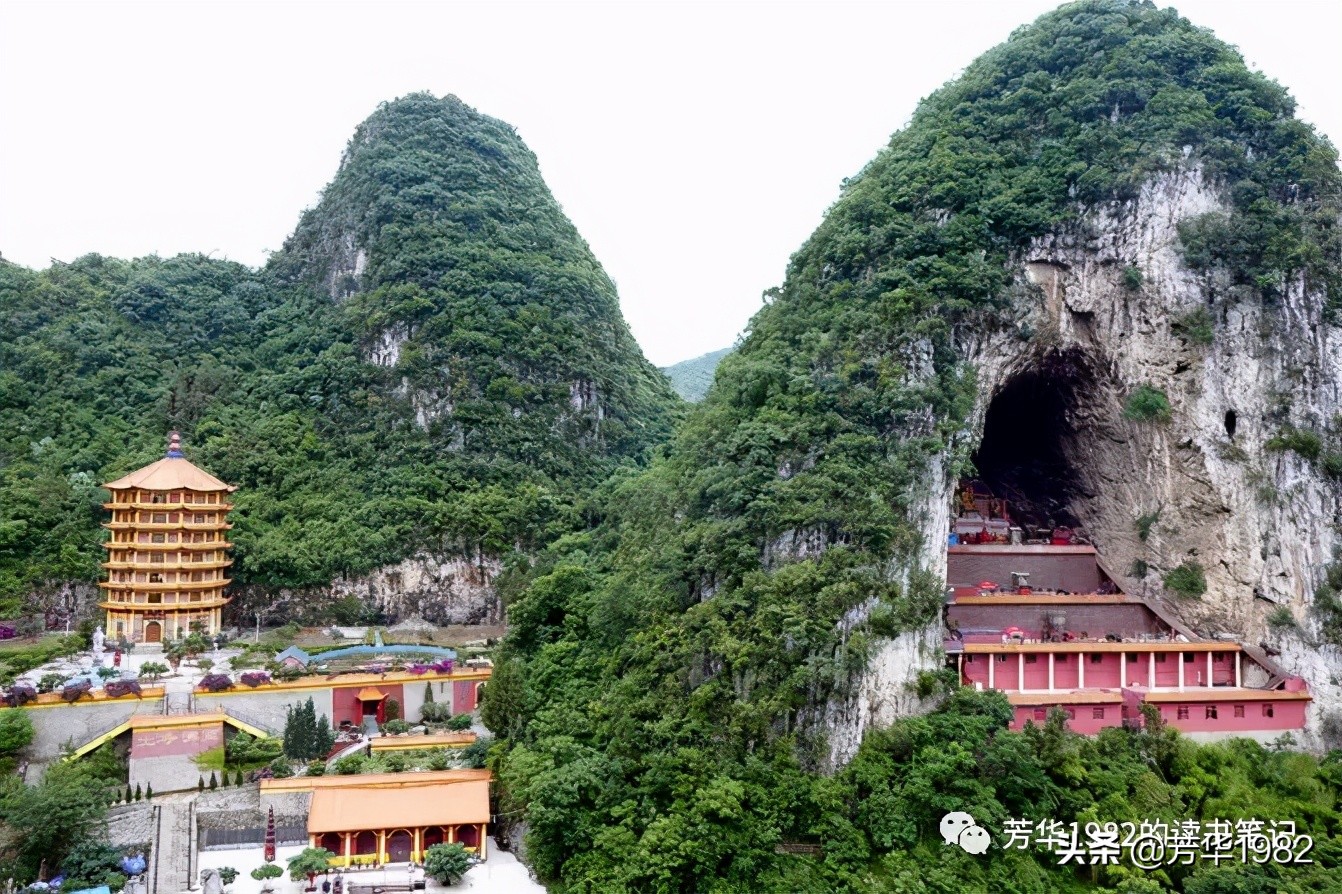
(417, 838)
(1122, 670)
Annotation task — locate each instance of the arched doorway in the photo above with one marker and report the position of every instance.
(469, 836)
(365, 843)
(333, 842)
(399, 846)
(153, 632)
(433, 835)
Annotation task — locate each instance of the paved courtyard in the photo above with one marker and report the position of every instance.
(500, 874)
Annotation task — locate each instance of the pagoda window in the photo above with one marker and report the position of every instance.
(1040, 713)
(1097, 713)
(160, 518)
(156, 557)
(156, 498)
(1220, 658)
(1211, 712)
(1060, 659)
(176, 498)
(1188, 657)
(1239, 710)
(1267, 710)
(1182, 713)
(172, 538)
(1160, 658)
(156, 598)
(1096, 658)
(156, 578)
(1031, 659)
(199, 518)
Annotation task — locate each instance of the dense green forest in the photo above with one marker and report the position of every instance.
(692, 378)
(660, 686)
(516, 385)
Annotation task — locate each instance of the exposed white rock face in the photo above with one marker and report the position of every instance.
(441, 589)
(583, 395)
(885, 690)
(1261, 523)
(1264, 525)
(387, 350)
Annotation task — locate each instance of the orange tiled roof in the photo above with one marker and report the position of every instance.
(170, 473)
(357, 809)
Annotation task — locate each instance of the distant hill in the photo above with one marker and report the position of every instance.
(691, 378)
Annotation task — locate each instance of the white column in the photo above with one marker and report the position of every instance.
(1051, 685)
(992, 665)
(1181, 670)
(1210, 680)
(1122, 670)
(1020, 672)
(1238, 680)
(1151, 670)
(1080, 670)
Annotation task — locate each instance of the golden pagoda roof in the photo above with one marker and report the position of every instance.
(173, 472)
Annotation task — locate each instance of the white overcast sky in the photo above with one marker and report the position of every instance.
(695, 145)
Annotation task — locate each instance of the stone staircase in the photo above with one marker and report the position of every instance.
(172, 862)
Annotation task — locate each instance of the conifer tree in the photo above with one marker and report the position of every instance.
(138, 791)
(200, 783)
(148, 792)
(214, 781)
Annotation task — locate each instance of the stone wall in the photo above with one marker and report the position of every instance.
(131, 824)
(267, 709)
(57, 726)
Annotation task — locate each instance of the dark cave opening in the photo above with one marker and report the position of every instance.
(1023, 457)
(1231, 421)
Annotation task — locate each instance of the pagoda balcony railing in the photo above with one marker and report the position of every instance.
(171, 507)
(139, 565)
(167, 526)
(185, 544)
(165, 586)
(142, 603)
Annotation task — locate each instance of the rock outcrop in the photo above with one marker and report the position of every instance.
(1262, 523)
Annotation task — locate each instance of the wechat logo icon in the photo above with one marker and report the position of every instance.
(960, 828)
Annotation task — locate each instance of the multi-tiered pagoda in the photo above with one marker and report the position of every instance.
(167, 558)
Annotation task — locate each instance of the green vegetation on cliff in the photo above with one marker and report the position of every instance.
(670, 668)
(507, 381)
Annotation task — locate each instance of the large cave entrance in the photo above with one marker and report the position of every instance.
(1030, 440)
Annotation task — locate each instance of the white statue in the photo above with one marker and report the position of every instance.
(210, 881)
(98, 639)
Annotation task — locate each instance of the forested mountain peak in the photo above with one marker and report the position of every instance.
(674, 686)
(434, 361)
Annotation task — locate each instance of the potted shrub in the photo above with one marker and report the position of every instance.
(255, 678)
(266, 875)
